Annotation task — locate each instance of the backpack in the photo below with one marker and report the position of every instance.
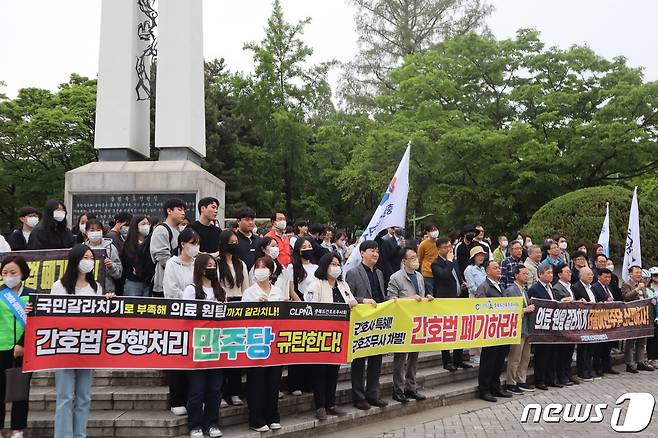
(145, 266)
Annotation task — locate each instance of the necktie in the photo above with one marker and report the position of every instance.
(454, 274)
(607, 291)
(550, 293)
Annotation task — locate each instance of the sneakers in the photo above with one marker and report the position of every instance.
(280, 395)
(525, 387)
(17, 434)
(223, 404)
(214, 432)
(475, 360)
(275, 426)
(261, 429)
(631, 369)
(644, 367)
(296, 393)
(321, 414)
(196, 433)
(336, 411)
(514, 389)
(236, 401)
(179, 410)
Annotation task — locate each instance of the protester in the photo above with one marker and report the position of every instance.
(545, 358)
(301, 230)
(133, 258)
(518, 358)
(552, 254)
(15, 271)
(562, 291)
(492, 359)
(178, 274)
(427, 253)
(449, 284)
(578, 262)
(247, 237)
(206, 225)
(112, 260)
(635, 350)
(475, 273)
(51, 232)
(119, 230)
(278, 233)
(507, 267)
(73, 386)
(407, 283)
(500, 253)
(532, 263)
(652, 342)
(601, 360)
(367, 285)
(584, 293)
(327, 238)
(164, 240)
(79, 230)
(462, 250)
(563, 244)
(280, 278)
(19, 238)
(340, 246)
(263, 382)
(205, 386)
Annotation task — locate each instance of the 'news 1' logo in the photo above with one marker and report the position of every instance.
(638, 414)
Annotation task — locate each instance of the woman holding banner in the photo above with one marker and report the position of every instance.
(73, 386)
(263, 382)
(205, 386)
(13, 299)
(328, 288)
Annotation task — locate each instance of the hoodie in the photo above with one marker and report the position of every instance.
(112, 253)
(177, 276)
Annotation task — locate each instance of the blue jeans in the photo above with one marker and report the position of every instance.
(135, 289)
(73, 389)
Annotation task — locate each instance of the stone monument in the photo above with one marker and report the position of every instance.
(123, 178)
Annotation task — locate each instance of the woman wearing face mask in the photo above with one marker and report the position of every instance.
(328, 287)
(73, 386)
(302, 273)
(135, 285)
(79, 230)
(280, 279)
(263, 382)
(119, 229)
(14, 271)
(234, 279)
(112, 261)
(501, 252)
(205, 386)
(340, 246)
(51, 232)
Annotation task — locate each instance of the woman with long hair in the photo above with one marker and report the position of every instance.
(73, 386)
(51, 232)
(205, 386)
(280, 279)
(135, 285)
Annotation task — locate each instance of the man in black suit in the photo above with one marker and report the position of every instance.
(448, 284)
(601, 262)
(583, 292)
(545, 354)
(563, 292)
(601, 361)
(492, 359)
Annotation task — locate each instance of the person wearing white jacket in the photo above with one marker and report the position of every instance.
(178, 274)
(328, 288)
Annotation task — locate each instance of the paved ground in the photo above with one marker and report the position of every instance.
(502, 419)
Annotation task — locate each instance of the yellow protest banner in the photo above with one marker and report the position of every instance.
(406, 325)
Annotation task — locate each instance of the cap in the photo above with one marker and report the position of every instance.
(654, 270)
(645, 273)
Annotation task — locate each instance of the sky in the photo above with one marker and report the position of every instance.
(44, 41)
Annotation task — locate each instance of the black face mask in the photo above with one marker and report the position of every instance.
(211, 274)
(307, 254)
(469, 236)
(232, 249)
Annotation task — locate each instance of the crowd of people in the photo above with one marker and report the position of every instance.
(180, 259)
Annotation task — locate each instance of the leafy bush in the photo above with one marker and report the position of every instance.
(579, 216)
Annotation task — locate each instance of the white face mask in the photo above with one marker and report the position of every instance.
(504, 244)
(124, 231)
(273, 251)
(192, 250)
(261, 274)
(11, 281)
(59, 215)
(563, 245)
(144, 230)
(434, 234)
(335, 271)
(95, 236)
(32, 221)
(86, 266)
(611, 267)
(414, 265)
(82, 228)
(281, 225)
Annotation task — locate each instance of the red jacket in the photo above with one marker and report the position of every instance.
(284, 247)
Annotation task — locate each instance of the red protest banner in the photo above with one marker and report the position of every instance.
(134, 333)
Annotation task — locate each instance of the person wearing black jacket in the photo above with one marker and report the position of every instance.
(248, 242)
(29, 218)
(448, 284)
(315, 231)
(52, 232)
(601, 361)
(583, 292)
(601, 262)
(205, 226)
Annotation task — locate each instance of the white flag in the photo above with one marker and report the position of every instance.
(391, 212)
(604, 236)
(632, 253)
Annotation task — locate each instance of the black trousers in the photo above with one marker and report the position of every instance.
(325, 379)
(178, 387)
(456, 358)
(19, 410)
(545, 361)
(652, 345)
(564, 360)
(300, 378)
(205, 388)
(601, 360)
(263, 395)
(492, 363)
(365, 380)
(584, 360)
(232, 383)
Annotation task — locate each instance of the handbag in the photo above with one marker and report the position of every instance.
(17, 382)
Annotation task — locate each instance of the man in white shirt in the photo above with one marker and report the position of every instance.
(583, 292)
